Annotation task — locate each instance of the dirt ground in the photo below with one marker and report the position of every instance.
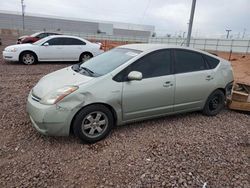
(188, 150)
(241, 66)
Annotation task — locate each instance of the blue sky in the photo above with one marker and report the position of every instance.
(212, 17)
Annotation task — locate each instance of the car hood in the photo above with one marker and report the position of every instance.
(59, 79)
(22, 37)
(18, 46)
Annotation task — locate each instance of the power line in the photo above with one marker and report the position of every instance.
(146, 9)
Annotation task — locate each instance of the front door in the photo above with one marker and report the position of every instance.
(154, 94)
(54, 51)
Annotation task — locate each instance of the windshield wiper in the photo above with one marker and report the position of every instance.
(84, 70)
(90, 72)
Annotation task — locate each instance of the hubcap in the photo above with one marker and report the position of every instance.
(85, 57)
(94, 124)
(28, 59)
(214, 103)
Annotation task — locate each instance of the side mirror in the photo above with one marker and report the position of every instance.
(135, 75)
(46, 44)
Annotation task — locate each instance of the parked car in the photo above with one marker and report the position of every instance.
(126, 84)
(34, 37)
(53, 48)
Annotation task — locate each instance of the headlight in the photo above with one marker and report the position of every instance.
(57, 95)
(10, 49)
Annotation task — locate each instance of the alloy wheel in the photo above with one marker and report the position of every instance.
(85, 57)
(28, 59)
(215, 102)
(94, 124)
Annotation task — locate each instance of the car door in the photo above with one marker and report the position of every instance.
(194, 81)
(53, 50)
(73, 48)
(154, 94)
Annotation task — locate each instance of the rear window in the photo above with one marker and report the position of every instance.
(212, 62)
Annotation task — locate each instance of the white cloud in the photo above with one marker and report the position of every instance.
(169, 16)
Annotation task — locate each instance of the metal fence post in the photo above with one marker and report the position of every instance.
(231, 47)
(248, 46)
(217, 43)
(205, 43)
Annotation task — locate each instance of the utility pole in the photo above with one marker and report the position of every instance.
(183, 34)
(190, 25)
(23, 7)
(244, 32)
(228, 31)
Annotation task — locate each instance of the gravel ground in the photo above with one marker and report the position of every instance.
(189, 150)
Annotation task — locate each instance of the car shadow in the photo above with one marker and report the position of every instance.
(42, 63)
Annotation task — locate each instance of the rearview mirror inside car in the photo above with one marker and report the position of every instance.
(135, 75)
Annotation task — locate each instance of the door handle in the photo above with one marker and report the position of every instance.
(209, 77)
(167, 84)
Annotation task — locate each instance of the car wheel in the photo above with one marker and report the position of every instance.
(214, 104)
(84, 57)
(28, 58)
(93, 123)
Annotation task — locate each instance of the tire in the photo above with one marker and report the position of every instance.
(93, 123)
(85, 56)
(28, 58)
(215, 103)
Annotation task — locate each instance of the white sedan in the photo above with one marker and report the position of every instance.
(53, 48)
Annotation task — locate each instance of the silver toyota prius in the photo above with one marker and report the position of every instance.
(128, 83)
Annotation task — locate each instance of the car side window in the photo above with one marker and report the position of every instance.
(154, 64)
(55, 41)
(188, 61)
(73, 41)
(212, 62)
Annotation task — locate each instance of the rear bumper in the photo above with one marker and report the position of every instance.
(229, 88)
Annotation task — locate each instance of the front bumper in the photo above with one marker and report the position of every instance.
(10, 56)
(49, 119)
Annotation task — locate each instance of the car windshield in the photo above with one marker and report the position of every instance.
(40, 41)
(108, 61)
(35, 34)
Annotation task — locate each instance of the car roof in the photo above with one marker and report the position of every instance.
(144, 47)
(68, 36)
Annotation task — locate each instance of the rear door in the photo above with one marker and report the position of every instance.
(154, 94)
(73, 48)
(194, 81)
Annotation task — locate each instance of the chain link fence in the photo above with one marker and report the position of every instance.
(223, 45)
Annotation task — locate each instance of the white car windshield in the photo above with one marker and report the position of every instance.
(108, 61)
(41, 41)
(35, 34)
